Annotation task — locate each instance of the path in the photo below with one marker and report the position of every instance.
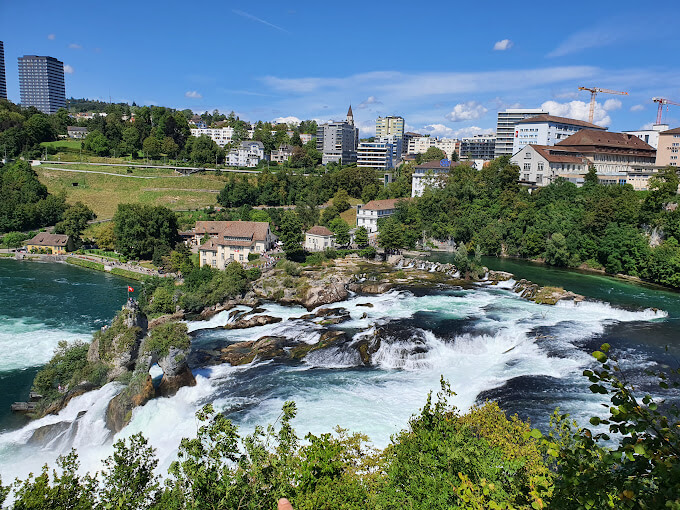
(97, 172)
(182, 169)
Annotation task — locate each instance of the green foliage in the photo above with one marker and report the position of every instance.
(25, 202)
(290, 232)
(139, 229)
(368, 253)
(341, 230)
(361, 237)
(85, 263)
(165, 336)
(14, 239)
(289, 267)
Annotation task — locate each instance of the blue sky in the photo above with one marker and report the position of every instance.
(447, 67)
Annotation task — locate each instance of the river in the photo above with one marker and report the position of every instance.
(487, 342)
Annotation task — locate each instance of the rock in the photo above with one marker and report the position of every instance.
(328, 338)
(318, 295)
(267, 347)
(138, 392)
(367, 305)
(43, 435)
(257, 320)
(176, 372)
(370, 287)
(177, 316)
(57, 406)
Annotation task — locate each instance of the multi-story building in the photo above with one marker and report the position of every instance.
(669, 148)
(282, 155)
(547, 130)
(420, 144)
(76, 132)
(3, 78)
(611, 153)
(478, 147)
(221, 136)
(505, 128)
(448, 146)
(540, 165)
(306, 138)
(378, 154)
(650, 136)
(431, 174)
(234, 242)
(369, 214)
(319, 238)
(338, 141)
(41, 83)
(248, 154)
(386, 126)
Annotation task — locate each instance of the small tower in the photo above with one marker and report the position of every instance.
(350, 116)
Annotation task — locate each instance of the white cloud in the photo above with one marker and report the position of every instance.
(612, 104)
(286, 120)
(68, 69)
(193, 94)
(259, 20)
(637, 108)
(503, 45)
(593, 37)
(647, 127)
(580, 110)
(442, 131)
(369, 101)
(366, 127)
(470, 110)
(75, 46)
(51, 37)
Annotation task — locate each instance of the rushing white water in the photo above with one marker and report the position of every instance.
(477, 339)
(28, 343)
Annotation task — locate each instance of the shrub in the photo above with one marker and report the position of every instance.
(165, 336)
(368, 253)
(253, 256)
(289, 267)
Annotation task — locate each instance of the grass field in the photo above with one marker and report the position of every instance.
(102, 193)
(65, 144)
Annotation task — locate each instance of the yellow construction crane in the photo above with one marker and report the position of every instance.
(593, 92)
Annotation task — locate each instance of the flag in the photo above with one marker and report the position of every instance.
(130, 289)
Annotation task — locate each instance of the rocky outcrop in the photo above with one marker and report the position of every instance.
(544, 295)
(176, 372)
(138, 392)
(251, 322)
(324, 294)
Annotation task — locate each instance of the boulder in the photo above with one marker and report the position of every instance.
(324, 294)
(176, 372)
(250, 322)
(138, 392)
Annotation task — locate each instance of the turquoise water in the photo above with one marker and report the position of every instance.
(41, 304)
(487, 342)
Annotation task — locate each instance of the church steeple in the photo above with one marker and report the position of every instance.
(350, 115)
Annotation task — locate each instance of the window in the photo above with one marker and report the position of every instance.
(527, 155)
(527, 166)
(540, 167)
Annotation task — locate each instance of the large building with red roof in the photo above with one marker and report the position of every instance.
(231, 241)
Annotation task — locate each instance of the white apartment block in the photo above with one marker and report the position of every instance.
(248, 154)
(547, 130)
(449, 146)
(282, 155)
(419, 145)
(376, 154)
(221, 136)
(505, 128)
(540, 165)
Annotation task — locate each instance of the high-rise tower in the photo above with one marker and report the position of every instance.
(41, 83)
(3, 79)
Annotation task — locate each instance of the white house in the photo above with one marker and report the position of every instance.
(540, 165)
(248, 154)
(234, 242)
(369, 214)
(432, 174)
(282, 155)
(319, 238)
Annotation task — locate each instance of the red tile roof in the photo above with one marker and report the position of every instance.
(674, 131)
(552, 155)
(319, 231)
(257, 230)
(597, 138)
(562, 120)
(383, 205)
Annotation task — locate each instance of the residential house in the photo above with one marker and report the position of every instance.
(319, 238)
(76, 132)
(54, 244)
(282, 155)
(369, 214)
(248, 154)
(235, 242)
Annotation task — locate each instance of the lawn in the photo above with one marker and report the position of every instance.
(65, 144)
(102, 193)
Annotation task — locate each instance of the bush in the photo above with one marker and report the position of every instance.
(368, 253)
(165, 336)
(253, 256)
(289, 267)
(253, 273)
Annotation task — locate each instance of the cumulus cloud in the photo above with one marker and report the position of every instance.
(580, 110)
(51, 37)
(68, 69)
(637, 108)
(470, 110)
(503, 45)
(368, 102)
(75, 46)
(442, 131)
(286, 120)
(193, 94)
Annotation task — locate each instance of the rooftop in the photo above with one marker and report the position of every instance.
(552, 155)
(597, 138)
(382, 205)
(320, 231)
(561, 120)
(45, 239)
(674, 131)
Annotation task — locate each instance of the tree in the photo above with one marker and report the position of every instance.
(152, 146)
(130, 141)
(290, 232)
(140, 229)
(556, 252)
(39, 129)
(105, 237)
(97, 143)
(341, 230)
(432, 154)
(341, 200)
(361, 237)
(14, 239)
(75, 221)
(591, 177)
(391, 234)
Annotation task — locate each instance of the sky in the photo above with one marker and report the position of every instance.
(446, 67)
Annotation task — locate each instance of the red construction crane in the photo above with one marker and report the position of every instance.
(662, 101)
(593, 92)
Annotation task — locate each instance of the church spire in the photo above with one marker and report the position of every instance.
(350, 115)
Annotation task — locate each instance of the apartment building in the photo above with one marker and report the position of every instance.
(378, 154)
(547, 130)
(221, 136)
(41, 83)
(319, 238)
(369, 214)
(478, 147)
(419, 145)
(386, 126)
(3, 78)
(431, 174)
(248, 154)
(448, 146)
(338, 141)
(282, 154)
(505, 128)
(542, 164)
(669, 148)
